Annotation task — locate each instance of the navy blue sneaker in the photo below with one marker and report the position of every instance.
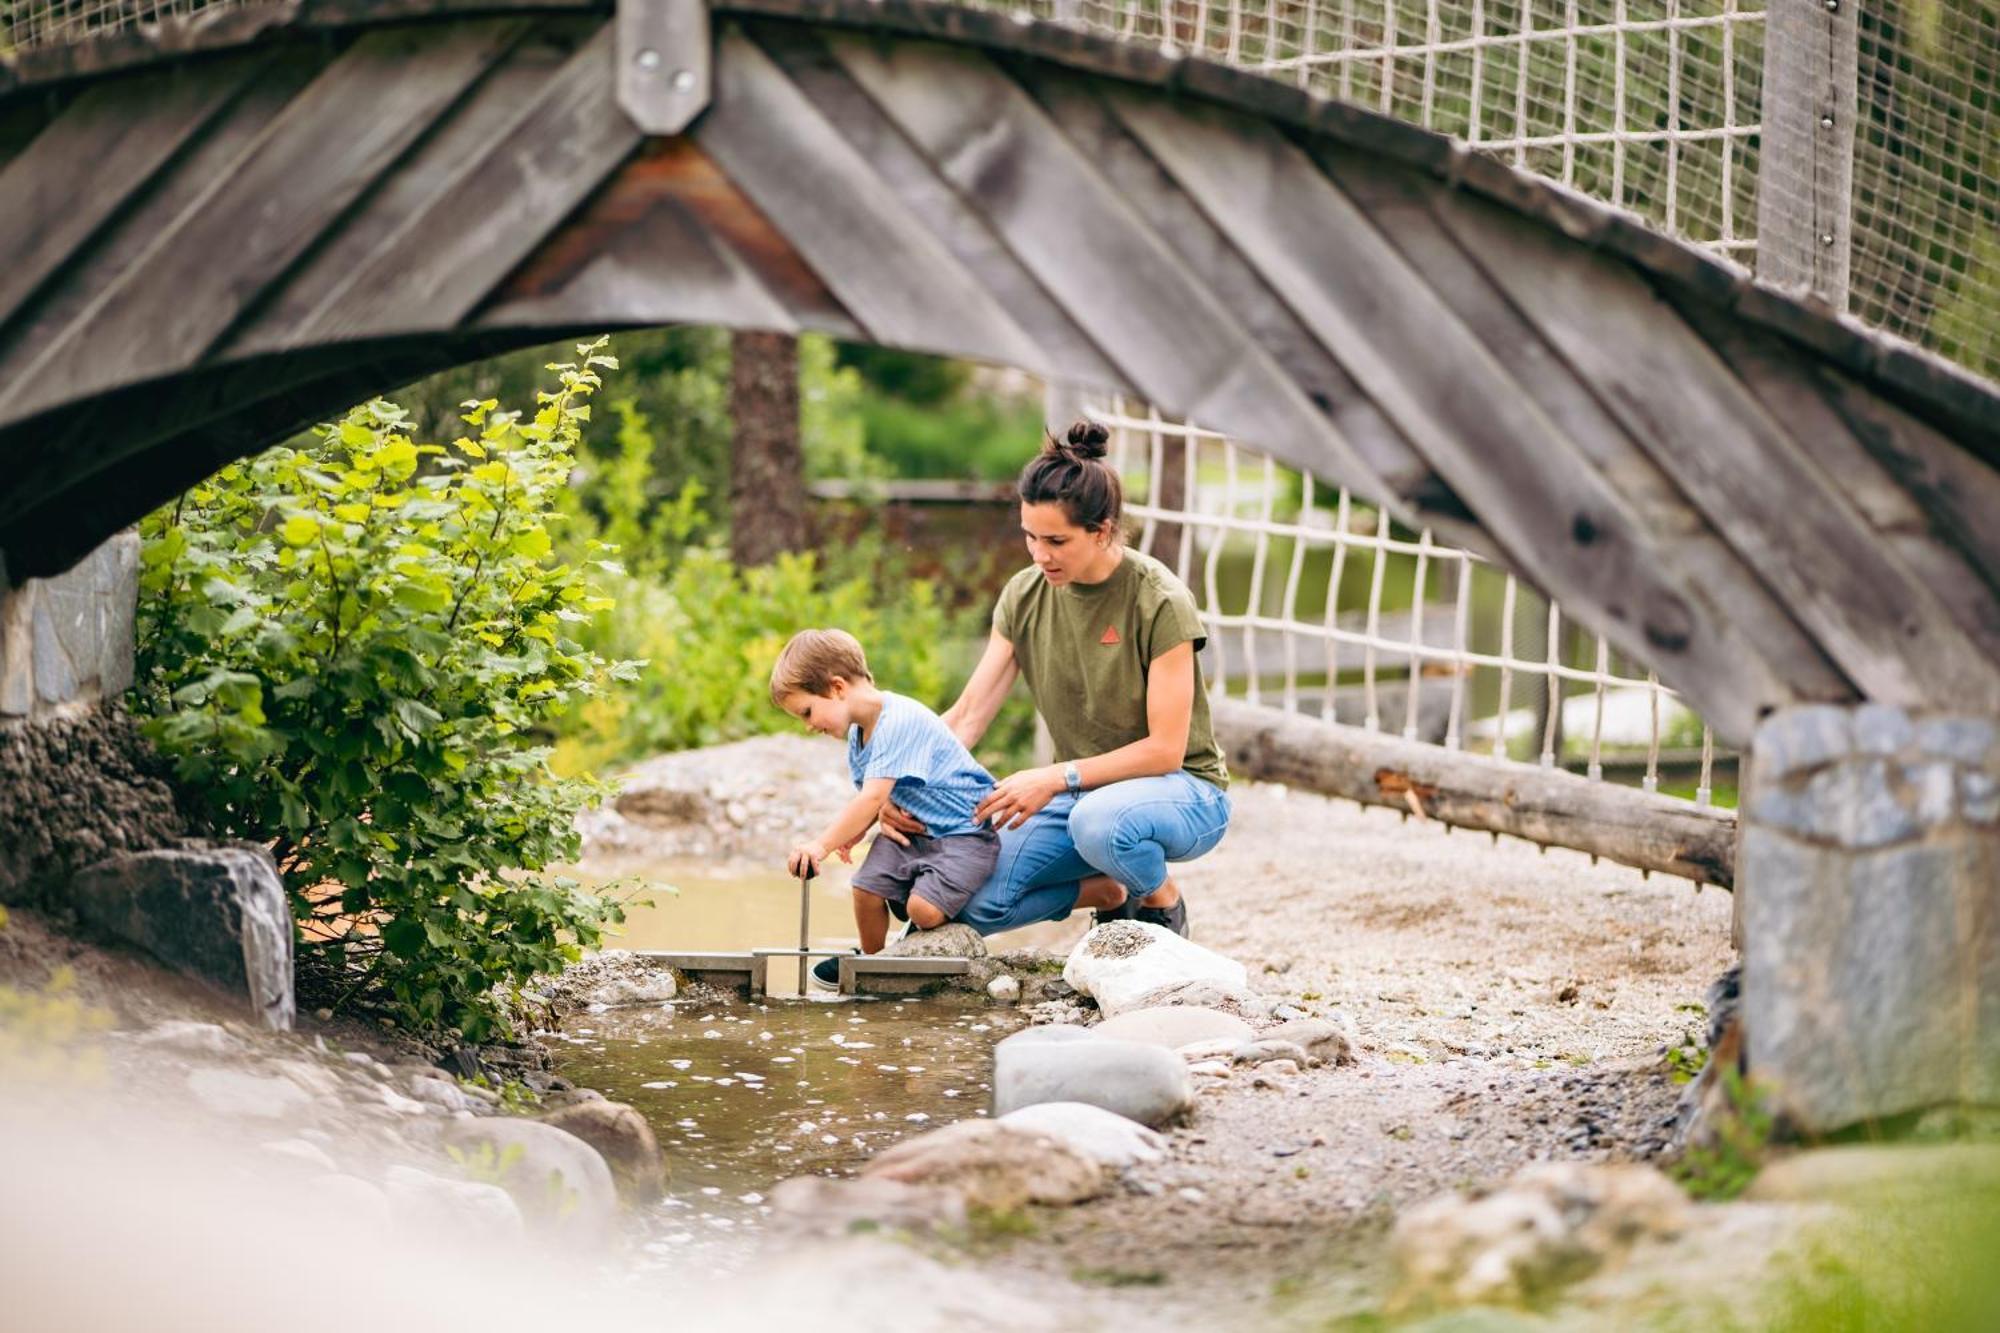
(826, 973)
(1173, 918)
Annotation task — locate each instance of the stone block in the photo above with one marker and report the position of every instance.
(217, 912)
(118, 604)
(67, 642)
(1881, 729)
(1798, 740)
(1852, 804)
(1871, 978)
(1931, 789)
(1979, 796)
(1967, 740)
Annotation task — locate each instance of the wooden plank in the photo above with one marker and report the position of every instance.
(1759, 651)
(82, 440)
(1095, 254)
(897, 279)
(451, 148)
(1417, 495)
(1685, 407)
(1559, 520)
(1473, 791)
(485, 213)
(127, 130)
(1787, 386)
(639, 257)
(210, 266)
(805, 59)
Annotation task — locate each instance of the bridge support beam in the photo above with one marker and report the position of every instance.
(664, 57)
(1869, 881)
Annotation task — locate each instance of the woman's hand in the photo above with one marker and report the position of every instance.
(899, 825)
(1020, 795)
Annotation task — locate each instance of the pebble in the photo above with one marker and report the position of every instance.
(191, 1039)
(1190, 1194)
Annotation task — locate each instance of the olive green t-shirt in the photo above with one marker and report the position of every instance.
(1086, 649)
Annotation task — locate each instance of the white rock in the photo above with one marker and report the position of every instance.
(993, 1165)
(560, 1182)
(315, 1079)
(1118, 964)
(227, 1092)
(1093, 1131)
(1148, 1084)
(191, 1038)
(398, 1103)
(1051, 1033)
(1212, 1068)
(425, 1203)
(1004, 989)
(437, 1092)
(1175, 1026)
(1221, 1048)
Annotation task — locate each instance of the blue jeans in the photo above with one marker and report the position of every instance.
(1128, 830)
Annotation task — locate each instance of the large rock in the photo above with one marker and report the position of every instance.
(1098, 1134)
(1052, 1033)
(1174, 1026)
(1121, 963)
(625, 1141)
(560, 1182)
(426, 1205)
(954, 939)
(1149, 1084)
(1208, 993)
(217, 912)
(1870, 914)
(993, 1166)
(1550, 1224)
(820, 1205)
(251, 1096)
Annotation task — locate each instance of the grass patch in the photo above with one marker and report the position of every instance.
(1119, 1277)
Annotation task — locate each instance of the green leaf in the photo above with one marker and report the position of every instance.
(299, 530)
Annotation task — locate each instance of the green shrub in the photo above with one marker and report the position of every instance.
(348, 650)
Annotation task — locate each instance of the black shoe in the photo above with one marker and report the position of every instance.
(1123, 912)
(826, 972)
(1173, 918)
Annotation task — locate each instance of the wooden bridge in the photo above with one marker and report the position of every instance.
(224, 228)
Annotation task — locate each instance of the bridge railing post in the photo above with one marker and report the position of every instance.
(665, 54)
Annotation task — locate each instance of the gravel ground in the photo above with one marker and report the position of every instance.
(1511, 1005)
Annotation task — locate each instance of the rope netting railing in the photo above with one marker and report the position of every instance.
(1317, 603)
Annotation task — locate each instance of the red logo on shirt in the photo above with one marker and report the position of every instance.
(1110, 634)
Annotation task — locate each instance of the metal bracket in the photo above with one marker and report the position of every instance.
(664, 57)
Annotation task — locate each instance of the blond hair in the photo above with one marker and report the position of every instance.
(812, 659)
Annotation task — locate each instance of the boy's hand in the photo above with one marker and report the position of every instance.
(805, 858)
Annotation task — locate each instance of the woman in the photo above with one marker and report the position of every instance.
(1106, 638)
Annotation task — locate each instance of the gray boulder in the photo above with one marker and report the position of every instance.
(216, 912)
(1049, 1033)
(954, 939)
(1149, 1084)
(1093, 1131)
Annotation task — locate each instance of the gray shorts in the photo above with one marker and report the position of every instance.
(944, 872)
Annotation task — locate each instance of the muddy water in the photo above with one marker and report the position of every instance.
(746, 1094)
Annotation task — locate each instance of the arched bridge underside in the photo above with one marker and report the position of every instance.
(217, 232)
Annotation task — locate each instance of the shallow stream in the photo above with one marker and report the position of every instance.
(746, 1094)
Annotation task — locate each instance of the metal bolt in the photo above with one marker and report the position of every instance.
(683, 81)
(1833, 6)
(1826, 121)
(648, 60)
(1826, 238)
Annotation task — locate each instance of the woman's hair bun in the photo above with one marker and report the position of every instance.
(1087, 439)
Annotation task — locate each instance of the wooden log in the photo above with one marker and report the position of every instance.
(214, 262)
(1172, 339)
(1545, 806)
(898, 279)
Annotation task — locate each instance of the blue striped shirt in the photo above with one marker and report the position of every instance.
(937, 779)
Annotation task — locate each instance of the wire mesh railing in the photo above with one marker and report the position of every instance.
(1316, 603)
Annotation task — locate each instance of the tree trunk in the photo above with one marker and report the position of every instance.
(767, 480)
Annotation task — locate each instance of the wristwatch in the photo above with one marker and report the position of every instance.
(1072, 779)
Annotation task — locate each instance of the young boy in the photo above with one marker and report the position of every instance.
(897, 749)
